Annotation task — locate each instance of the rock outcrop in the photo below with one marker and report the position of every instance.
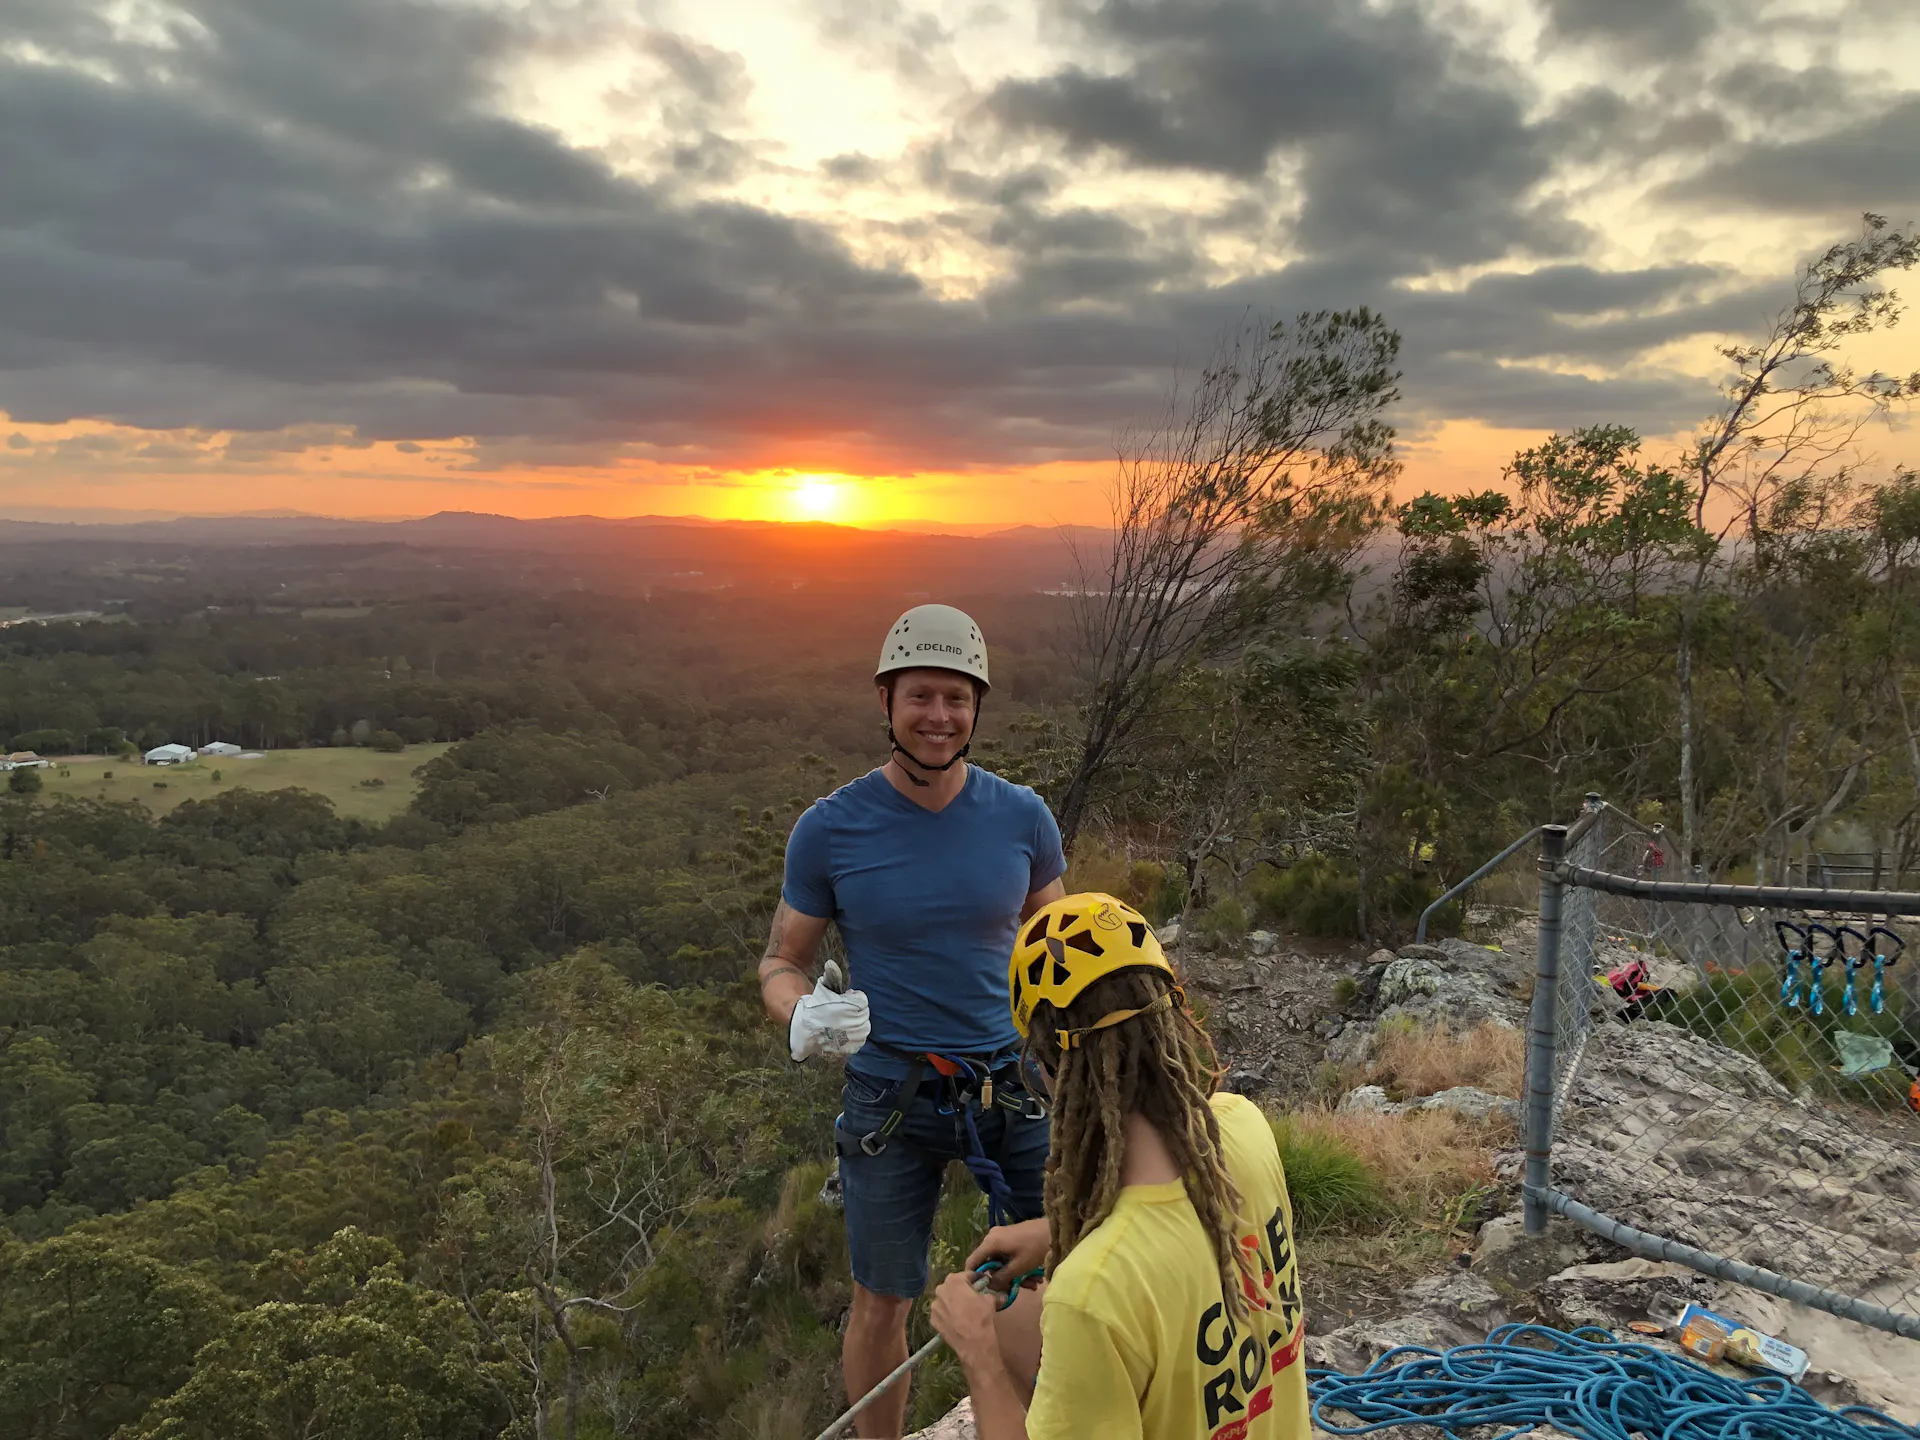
(1674, 1134)
(1452, 983)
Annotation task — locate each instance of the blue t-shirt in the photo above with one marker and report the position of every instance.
(927, 903)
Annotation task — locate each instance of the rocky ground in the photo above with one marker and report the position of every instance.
(1662, 1129)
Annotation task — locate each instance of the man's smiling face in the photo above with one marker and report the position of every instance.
(932, 713)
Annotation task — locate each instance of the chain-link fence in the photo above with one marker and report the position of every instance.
(1726, 1073)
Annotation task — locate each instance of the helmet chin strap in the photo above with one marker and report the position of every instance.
(899, 749)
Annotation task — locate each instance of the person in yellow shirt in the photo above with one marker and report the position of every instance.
(1172, 1308)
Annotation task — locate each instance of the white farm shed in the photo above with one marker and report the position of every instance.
(169, 755)
(220, 747)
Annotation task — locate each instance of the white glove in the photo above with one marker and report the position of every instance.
(828, 1022)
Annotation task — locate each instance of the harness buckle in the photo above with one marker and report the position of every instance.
(872, 1143)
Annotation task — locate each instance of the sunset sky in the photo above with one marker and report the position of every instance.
(878, 261)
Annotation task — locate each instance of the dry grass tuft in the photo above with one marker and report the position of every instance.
(1413, 1061)
(1422, 1162)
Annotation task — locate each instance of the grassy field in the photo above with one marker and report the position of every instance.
(334, 773)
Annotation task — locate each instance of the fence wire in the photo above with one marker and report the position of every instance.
(1740, 1079)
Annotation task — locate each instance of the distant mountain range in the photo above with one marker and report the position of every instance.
(640, 552)
(462, 527)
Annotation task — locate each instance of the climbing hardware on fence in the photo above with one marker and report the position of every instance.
(1727, 1076)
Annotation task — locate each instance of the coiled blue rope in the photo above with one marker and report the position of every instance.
(1587, 1384)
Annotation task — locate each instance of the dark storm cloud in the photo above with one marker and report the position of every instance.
(1664, 28)
(1405, 142)
(317, 219)
(1872, 164)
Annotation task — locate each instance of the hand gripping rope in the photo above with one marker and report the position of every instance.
(1586, 1384)
(1883, 961)
(1790, 985)
(982, 1274)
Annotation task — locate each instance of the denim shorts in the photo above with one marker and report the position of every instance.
(891, 1198)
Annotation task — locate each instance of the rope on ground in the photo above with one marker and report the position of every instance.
(1587, 1384)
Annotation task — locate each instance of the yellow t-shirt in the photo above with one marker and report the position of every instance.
(1134, 1339)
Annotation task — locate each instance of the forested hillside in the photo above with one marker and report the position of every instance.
(313, 1102)
(294, 1110)
(469, 1124)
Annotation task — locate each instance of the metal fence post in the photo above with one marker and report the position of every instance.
(1540, 1037)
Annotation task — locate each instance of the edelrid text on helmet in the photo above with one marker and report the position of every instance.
(935, 637)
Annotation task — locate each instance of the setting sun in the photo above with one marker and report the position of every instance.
(819, 497)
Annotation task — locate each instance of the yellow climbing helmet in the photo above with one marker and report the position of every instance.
(1071, 943)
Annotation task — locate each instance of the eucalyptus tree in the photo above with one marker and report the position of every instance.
(1793, 413)
(1519, 620)
(1239, 513)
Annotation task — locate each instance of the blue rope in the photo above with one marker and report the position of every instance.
(986, 1172)
(1587, 1384)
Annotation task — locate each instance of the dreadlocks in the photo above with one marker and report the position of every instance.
(1160, 1064)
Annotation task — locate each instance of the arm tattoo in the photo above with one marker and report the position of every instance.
(767, 973)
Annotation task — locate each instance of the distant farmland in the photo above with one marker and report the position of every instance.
(334, 773)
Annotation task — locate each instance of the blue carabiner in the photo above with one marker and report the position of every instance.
(1790, 985)
(1853, 962)
(1817, 964)
(1877, 996)
(987, 1267)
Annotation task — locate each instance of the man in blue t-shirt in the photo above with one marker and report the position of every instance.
(928, 866)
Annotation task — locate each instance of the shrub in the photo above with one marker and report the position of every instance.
(1329, 1184)
(1223, 922)
(105, 740)
(159, 784)
(46, 742)
(388, 741)
(1345, 990)
(106, 774)
(1158, 891)
(216, 777)
(24, 782)
(1316, 895)
(1320, 895)
(1171, 898)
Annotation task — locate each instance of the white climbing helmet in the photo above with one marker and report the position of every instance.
(935, 637)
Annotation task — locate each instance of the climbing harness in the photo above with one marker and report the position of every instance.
(964, 1080)
(1790, 985)
(983, 1273)
(1586, 1384)
(1854, 961)
(1883, 961)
